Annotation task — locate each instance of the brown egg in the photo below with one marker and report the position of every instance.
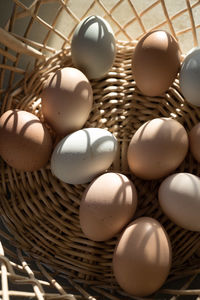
(194, 138)
(142, 257)
(107, 205)
(67, 100)
(155, 62)
(157, 148)
(25, 143)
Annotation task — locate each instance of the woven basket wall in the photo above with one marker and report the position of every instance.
(43, 253)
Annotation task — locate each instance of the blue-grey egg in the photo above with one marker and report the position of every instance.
(189, 77)
(93, 47)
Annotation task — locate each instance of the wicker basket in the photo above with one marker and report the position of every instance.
(43, 253)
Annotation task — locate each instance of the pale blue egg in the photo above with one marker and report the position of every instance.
(93, 47)
(189, 77)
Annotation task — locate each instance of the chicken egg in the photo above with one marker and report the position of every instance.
(67, 100)
(179, 198)
(25, 143)
(107, 205)
(194, 139)
(142, 257)
(84, 154)
(155, 62)
(189, 77)
(157, 148)
(93, 47)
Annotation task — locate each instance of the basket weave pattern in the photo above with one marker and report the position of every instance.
(41, 212)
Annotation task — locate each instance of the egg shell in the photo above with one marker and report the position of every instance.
(93, 47)
(81, 156)
(25, 143)
(155, 62)
(67, 100)
(179, 198)
(189, 77)
(194, 139)
(157, 148)
(142, 257)
(107, 205)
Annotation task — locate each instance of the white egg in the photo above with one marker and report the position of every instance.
(82, 155)
(179, 198)
(189, 77)
(93, 47)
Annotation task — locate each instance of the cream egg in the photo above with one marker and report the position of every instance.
(179, 198)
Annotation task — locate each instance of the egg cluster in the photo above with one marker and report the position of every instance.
(83, 155)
